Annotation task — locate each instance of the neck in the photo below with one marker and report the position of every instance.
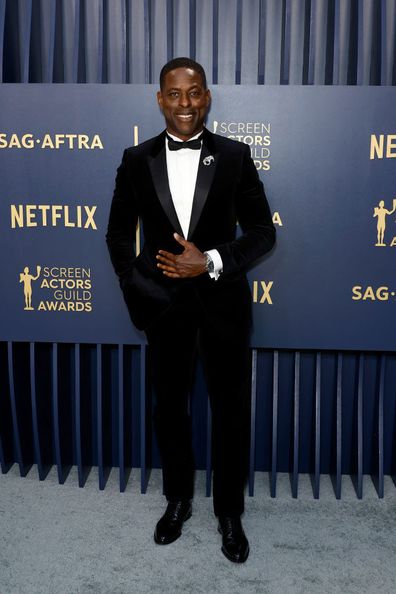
(184, 138)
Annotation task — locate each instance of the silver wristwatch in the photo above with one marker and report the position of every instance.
(209, 263)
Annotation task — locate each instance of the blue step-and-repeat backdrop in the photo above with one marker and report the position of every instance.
(326, 155)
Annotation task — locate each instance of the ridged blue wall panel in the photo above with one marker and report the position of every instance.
(237, 41)
(91, 42)
(115, 41)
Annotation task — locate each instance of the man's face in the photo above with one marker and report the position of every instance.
(184, 102)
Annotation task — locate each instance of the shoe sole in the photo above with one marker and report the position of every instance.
(230, 558)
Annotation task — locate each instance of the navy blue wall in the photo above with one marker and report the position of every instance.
(329, 412)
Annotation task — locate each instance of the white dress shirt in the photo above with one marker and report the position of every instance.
(182, 166)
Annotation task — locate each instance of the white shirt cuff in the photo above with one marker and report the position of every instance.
(218, 263)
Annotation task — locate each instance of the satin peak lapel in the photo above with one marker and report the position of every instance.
(157, 164)
(206, 170)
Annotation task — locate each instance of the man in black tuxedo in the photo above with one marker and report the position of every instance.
(188, 290)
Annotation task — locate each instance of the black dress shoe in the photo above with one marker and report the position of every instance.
(235, 544)
(168, 529)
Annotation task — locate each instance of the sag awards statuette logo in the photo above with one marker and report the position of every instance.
(66, 289)
(26, 278)
(381, 213)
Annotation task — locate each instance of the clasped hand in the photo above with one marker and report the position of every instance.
(191, 262)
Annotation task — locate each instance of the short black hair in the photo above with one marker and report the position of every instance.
(182, 63)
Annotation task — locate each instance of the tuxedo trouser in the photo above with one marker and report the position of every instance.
(173, 344)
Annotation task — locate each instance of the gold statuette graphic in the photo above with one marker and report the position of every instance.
(26, 278)
(381, 213)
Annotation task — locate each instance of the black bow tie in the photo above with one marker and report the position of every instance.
(174, 145)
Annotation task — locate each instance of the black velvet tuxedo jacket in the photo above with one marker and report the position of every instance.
(228, 190)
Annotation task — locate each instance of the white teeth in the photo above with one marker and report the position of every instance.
(185, 117)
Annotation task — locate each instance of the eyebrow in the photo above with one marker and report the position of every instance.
(195, 85)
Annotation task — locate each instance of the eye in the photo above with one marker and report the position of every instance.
(173, 94)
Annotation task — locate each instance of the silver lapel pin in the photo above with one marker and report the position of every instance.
(208, 160)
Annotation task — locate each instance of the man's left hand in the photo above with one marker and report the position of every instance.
(191, 262)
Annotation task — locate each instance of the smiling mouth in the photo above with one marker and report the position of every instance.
(185, 117)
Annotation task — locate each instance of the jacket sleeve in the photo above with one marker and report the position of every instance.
(254, 217)
(121, 230)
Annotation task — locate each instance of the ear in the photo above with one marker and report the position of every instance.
(208, 97)
(159, 99)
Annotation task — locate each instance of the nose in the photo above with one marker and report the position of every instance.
(184, 100)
